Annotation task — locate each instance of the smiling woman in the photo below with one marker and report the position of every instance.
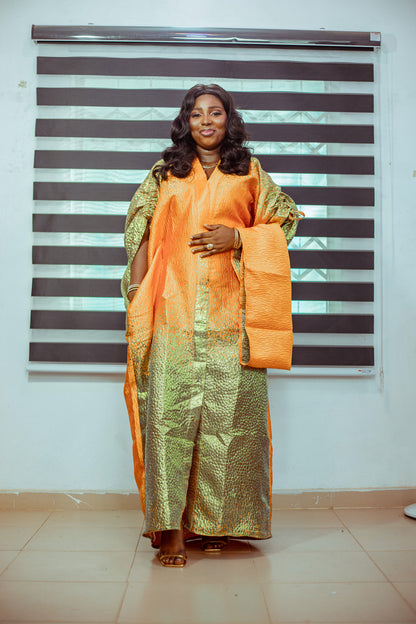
(187, 141)
(207, 289)
(207, 123)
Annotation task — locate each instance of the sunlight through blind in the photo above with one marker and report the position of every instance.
(104, 116)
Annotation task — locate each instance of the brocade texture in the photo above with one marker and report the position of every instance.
(199, 418)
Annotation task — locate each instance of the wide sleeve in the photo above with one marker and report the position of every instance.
(273, 206)
(266, 316)
(139, 216)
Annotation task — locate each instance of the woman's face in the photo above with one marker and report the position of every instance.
(207, 122)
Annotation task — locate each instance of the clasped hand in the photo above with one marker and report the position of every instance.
(219, 236)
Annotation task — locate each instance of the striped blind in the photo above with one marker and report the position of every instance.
(104, 116)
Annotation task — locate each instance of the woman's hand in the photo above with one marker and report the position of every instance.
(219, 236)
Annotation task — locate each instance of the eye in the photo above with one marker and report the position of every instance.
(195, 115)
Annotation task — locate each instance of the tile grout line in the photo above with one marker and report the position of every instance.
(21, 549)
(413, 609)
(362, 548)
(343, 524)
(377, 566)
(72, 526)
(128, 574)
(9, 564)
(347, 621)
(25, 544)
(265, 603)
(260, 583)
(122, 599)
(50, 513)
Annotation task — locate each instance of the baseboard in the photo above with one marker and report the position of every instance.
(54, 501)
(339, 499)
(310, 499)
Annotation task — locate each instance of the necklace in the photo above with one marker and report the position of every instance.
(207, 166)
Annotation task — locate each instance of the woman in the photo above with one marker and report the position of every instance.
(207, 288)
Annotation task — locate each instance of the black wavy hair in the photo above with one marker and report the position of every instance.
(178, 158)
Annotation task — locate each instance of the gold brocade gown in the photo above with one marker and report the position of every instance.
(199, 417)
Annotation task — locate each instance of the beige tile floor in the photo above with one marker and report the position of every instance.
(322, 566)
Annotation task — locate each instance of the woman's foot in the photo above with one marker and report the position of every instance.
(213, 545)
(172, 549)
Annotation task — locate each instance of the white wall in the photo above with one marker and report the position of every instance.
(71, 433)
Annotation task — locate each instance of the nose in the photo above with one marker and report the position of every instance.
(205, 119)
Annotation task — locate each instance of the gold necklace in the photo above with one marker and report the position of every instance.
(206, 166)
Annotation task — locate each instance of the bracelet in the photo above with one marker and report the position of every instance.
(237, 239)
(132, 287)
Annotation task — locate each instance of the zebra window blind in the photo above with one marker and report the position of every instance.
(103, 117)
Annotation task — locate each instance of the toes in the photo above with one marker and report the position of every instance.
(173, 560)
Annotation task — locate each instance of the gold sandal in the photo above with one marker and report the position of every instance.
(213, 545)
(165, 556)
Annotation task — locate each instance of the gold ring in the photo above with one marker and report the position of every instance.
(209, 246)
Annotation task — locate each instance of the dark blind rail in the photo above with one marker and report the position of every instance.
(100, 128)
(294, 70)
(117, 353)
(312, 195)
(347, 228)
(337, 259)
(302, 323)
(358, 165)
(327, 102)
(303, 291)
